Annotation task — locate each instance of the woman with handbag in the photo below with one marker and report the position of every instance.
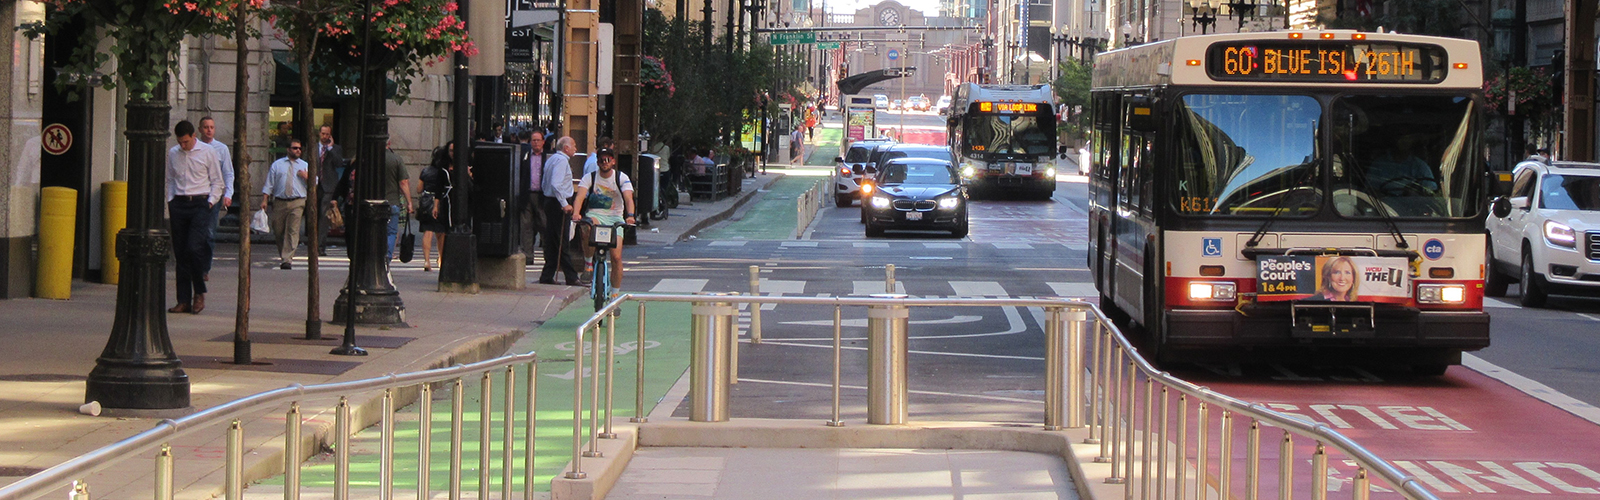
(433, 204)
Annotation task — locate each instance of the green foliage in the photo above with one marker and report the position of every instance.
(715, 93)
(1417, 17)
(1072, 88)
(1535, 97)
(406, 34)
(145, 36)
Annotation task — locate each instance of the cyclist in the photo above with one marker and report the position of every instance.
(607, 196)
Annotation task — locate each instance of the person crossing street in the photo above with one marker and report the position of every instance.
(286, 189)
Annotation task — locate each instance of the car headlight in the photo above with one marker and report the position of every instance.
(1559, 234)
(968, 171)
(949, 202)
(880, 202)
(1441, 294)
(1213, 290)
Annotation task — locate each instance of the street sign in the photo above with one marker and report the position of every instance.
(894, 54)
(827, 45)
(793, 38)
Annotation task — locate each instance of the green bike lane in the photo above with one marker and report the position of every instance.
(775, 215)
(666, 359)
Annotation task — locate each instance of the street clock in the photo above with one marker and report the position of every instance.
(889, 17)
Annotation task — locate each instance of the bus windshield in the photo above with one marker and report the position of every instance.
(1009, 134)
(1404, 156)
(1247, 155)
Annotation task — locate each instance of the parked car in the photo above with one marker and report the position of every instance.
(880, 101)
(1546, 234)
(917, 193)
(850, 169)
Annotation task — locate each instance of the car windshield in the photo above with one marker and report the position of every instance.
(1010, 134)
(1247, 155)
(1404, 156)
(1570, 192)
(917, 173)
(857, 154)
(937, 154)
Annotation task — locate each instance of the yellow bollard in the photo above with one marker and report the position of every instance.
(58, 213)
(113, 217)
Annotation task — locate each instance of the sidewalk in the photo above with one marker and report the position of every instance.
(52, 346)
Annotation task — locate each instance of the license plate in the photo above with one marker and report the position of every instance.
(913, 215)
(1024, 169)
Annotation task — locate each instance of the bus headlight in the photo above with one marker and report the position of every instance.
(967, 171)
(1559, 234)
(949, 202)
(880, 202)
(1050, 173)
(1213, 290)
(1441, 294)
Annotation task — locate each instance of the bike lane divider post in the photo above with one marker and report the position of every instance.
(711, 347)
(887, 341)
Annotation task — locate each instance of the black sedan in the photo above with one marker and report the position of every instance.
(916, 193)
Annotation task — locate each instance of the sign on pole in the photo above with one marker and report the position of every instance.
(793, 38)
(894, 54)
(827, 45)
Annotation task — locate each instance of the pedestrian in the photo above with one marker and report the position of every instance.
(434, 210)
(1536, 154)
(796, 146)
(397, 191)
(558, 209)
(612, 204)
(208, 135)
(331, 164)
(194, 186)
(532, 204)
(286, 189)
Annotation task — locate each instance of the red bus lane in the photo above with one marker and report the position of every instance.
(1463, 435)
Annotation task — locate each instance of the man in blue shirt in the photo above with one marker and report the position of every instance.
(557, 180)
(208, 135)
(286, 189)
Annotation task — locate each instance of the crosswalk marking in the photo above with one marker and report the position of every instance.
(869, 287)
(811, 244)
(781, 287)
(1077, 247)
(1493, 302)
(680, 285)
(870, 244)
(941, 245)
(1074, 289)
(732, 243)
(1013, 246)
(978, 288)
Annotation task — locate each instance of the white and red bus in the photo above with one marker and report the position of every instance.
(1258, 195)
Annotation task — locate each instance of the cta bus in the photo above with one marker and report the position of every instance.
(1004, 137)
(1258, 195)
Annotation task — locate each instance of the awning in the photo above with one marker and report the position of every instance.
(328, 82)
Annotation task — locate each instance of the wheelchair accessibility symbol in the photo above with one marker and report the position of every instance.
(1211, 247)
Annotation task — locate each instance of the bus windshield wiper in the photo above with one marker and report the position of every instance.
(1383, 208)
(1261, 232)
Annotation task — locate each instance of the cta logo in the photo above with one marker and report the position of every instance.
(1433, 249)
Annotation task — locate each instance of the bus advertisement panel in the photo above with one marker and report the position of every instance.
(1333, 278)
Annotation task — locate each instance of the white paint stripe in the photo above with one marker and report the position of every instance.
(941, 245)
(863, 388)
(1533, 388)
(869, 244)
(978, 289)
(929, 353)
(735, 243)
(1077, 247)
(1013, 246)
(680, 285)
(812, 244)
(1074, 289)
(862, 322)
(1013, 320)
(1493, 302)
(779, 287)
(1590, 316)
(870, 287)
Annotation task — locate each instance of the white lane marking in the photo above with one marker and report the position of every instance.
(777, 288)
(1013, 321)
(978, 289)
(1074, 289)
(862, 322)
(1532, 387)
(930, 257)
(680, 285)
(1077, 247)
(929, 353)
(1013, 246)
(870, 244)
(863, 388)
(1493, 302)
(870, 287)
(735, 243)
(812, 244)
(1590, 316)
(941, 245)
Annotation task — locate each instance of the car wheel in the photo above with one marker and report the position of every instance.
(841, 200)
(1494, 282)
(1533, 294)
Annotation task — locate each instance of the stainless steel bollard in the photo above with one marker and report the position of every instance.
(887, 342)
(710, 360)
(1063, 395)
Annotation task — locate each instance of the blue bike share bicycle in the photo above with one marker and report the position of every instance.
(602, 238)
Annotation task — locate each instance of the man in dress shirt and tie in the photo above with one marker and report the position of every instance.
(533, 196)
(557, 188)
(194, 186)
(286, 189)
(208, 136)
(330, 159)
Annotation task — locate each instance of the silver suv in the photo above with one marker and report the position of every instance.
(850, 169)
(1546, 234)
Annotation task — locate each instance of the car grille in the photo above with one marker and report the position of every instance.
(1594, 245)
(914, 205)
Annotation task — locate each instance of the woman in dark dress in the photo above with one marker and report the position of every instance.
(436, 221)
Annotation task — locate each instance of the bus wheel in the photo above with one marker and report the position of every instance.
(1494, 281)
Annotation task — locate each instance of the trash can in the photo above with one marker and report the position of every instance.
(646, 188)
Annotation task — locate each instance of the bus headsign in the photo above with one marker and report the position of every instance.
(1326, 61)
(1007, 107)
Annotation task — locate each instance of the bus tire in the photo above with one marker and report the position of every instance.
(1533, 293)
(1494, 281)
(1151, 326)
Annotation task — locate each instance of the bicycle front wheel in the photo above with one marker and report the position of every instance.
(600, 282)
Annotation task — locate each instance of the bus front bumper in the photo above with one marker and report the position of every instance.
(1399, 328)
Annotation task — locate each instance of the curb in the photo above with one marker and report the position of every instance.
(725, 214)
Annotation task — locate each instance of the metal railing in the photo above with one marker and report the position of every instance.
(1097, 388)
(72, 475)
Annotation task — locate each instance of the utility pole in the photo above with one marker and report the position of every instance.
(1577, 99)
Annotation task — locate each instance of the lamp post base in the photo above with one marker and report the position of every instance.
(371, 308)
(159, 386)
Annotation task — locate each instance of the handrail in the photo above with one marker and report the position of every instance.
(100, 459)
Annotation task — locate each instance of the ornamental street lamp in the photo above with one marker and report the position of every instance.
(1203, 14)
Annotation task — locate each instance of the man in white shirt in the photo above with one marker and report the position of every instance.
(286, 189)
(558, 209)
(208, 136)
(194, 186)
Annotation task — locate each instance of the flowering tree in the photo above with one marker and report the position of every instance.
(406, 34)
(1530, 86)
(145, 35)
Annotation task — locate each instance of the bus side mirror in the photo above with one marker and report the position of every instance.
(1499, 183)
(1500, 207)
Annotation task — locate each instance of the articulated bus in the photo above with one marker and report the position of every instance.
(1004, 137)
(1299, 193)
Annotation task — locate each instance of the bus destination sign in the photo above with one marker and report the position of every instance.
(1326, 61)
(1007, 107)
